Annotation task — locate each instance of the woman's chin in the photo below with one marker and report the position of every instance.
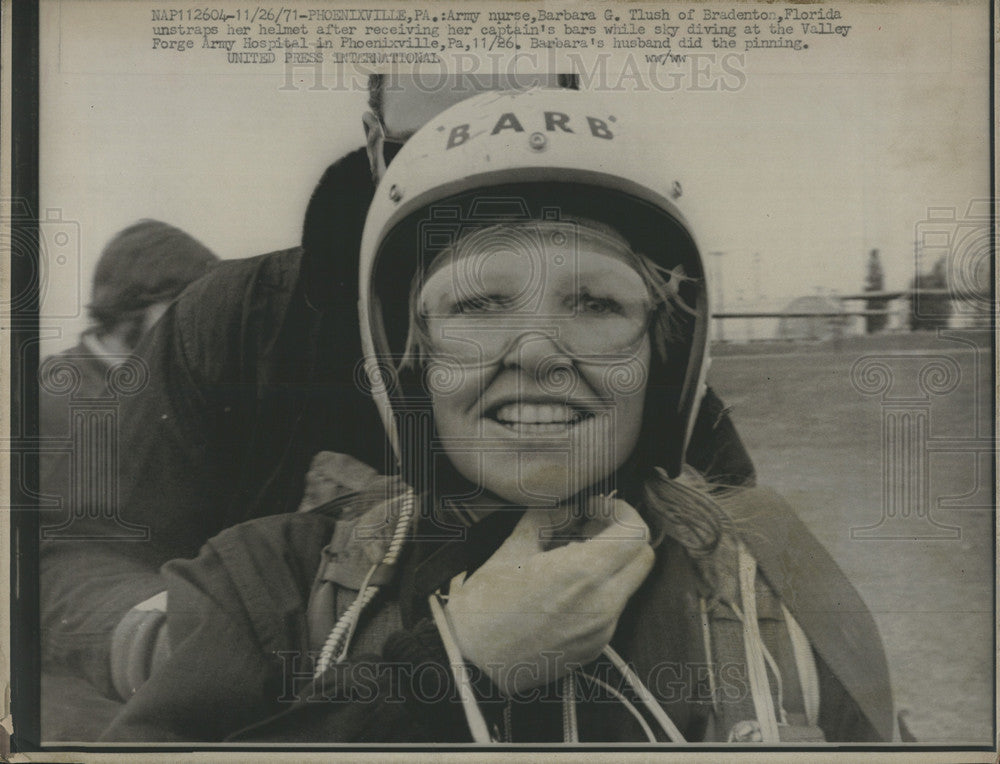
(544, 489)
(533, 493)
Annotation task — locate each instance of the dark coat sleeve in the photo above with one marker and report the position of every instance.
(76, 405)
(175, 469)
(240, 664)
(250, 373)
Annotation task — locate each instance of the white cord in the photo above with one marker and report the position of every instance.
(473, 715)
(477, 722)
(335, 646)
(805, 663)
(366, 596)
(627, 703)
(571, 733)
(706, 634)
(771, 664)
(338, 641)
(646, 696)
(760, 688)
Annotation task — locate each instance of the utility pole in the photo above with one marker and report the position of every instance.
(758, 292)
(757, 279)
(720, 296)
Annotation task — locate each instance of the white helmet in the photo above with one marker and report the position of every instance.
(536, 154)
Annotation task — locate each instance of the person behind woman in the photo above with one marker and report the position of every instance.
(544, 566)
(141, 270)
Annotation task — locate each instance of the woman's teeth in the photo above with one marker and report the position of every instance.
(538, 414)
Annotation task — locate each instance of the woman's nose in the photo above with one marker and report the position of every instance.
(539, 353)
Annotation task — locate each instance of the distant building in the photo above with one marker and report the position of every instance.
(815, 328)
(931, 311)
(875, 282)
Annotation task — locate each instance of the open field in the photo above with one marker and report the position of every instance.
(818, 438)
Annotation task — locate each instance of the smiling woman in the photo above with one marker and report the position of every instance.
(531, 317)
(534, 318)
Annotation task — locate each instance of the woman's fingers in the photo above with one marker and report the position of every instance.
(630, 576)
(527, 536)
(525, 602)
(616, 540)
(617, 516)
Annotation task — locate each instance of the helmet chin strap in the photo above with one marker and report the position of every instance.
(374, 144)
(699, 396)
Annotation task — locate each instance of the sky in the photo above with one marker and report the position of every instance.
(794, 175)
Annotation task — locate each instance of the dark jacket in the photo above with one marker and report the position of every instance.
(251, 372)
(245, 634)
(67, 382)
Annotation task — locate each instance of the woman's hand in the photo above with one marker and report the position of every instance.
(526, 612)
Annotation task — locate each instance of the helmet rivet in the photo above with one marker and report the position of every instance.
(676, 190)
(395, 193)
(537, 141)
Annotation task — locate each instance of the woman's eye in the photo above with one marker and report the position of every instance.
(587, 303)
(479, 304)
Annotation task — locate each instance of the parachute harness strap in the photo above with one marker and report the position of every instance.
(706, 635)
(338, 642)
(757, 654)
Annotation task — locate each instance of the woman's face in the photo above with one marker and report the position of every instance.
(538, 358)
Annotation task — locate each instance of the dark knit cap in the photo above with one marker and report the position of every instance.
(146, 263)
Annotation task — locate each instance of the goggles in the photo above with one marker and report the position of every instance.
(553, 282)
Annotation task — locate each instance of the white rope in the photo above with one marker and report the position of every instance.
(665, 722)
(756, 669)
(366, 596)
(771, 664)
(401, 529)
(627, 703)
(473, 715)
(338, 641)
(706, 634)
(805, 664)
(571, 733)
(477, 722)
(335, 646)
